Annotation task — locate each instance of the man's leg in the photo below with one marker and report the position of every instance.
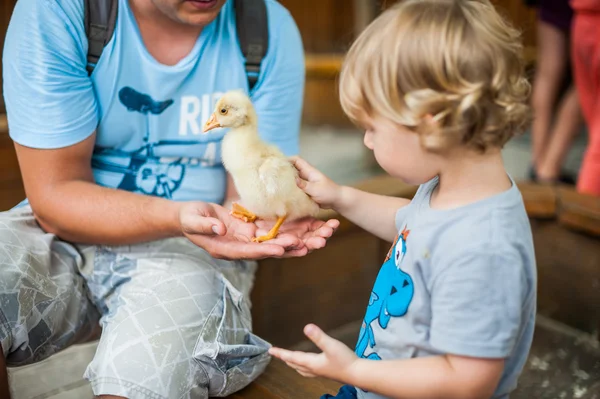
(44, 306)
(176, 323)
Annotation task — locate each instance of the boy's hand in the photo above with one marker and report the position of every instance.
(335, 362)
(314, 183)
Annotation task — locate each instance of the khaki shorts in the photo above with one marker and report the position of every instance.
(175, 322)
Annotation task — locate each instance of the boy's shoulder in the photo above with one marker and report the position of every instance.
(496, 226)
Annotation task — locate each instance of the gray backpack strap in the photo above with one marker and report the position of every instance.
(251, 22)
(253, 34)
(100, 19)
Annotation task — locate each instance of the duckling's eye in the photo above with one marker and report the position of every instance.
(223, 111)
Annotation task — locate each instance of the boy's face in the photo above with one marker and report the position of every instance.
(399, 152)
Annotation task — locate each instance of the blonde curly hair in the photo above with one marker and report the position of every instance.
(455, 63)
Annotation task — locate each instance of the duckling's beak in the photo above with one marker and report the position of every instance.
(211, 124)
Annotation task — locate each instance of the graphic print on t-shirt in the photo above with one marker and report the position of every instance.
(147, 172)
(391, 296)
(140, 102)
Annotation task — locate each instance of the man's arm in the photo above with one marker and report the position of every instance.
(66, 201)
(52, 114)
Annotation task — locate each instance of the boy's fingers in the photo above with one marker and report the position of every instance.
(305, 170)
(301, 183)
(277, 352)
(295, 358)
(318, 337)
(305, 374)
(299, 369)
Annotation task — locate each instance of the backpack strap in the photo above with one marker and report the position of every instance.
(251, 21)
(100, 19)
(253, 34)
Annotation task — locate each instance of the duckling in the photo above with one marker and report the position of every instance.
(263, 176)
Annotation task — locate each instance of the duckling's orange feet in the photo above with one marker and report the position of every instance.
(271, 234)
(266, 237)
(242, 213)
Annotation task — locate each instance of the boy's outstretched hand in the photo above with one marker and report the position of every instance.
(336, 362)
(321, 189)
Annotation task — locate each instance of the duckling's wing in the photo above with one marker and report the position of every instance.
(276, 174)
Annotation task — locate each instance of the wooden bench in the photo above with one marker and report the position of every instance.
(566, 232)
(281, 382)
(11, 186)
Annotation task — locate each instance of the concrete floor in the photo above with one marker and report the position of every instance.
(562, 365)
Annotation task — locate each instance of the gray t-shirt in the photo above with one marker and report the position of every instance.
(460, 281)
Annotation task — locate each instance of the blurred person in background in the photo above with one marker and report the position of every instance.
(557, 114)
(585, 45)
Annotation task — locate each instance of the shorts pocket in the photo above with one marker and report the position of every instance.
(230, 354)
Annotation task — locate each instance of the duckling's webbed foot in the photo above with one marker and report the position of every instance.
(242, 213)
(271, 234)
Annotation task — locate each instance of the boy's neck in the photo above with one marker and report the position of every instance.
(469, 177)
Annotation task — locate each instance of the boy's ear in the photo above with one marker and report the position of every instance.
(431, 120)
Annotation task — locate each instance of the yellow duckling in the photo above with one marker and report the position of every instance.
(263, 176)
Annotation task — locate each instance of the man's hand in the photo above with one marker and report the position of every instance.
(313, 233)
(336, 362)
(211, 227)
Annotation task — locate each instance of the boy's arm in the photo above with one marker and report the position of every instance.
(478, 299)
(445, 377)
(433, 377)
(374, 213)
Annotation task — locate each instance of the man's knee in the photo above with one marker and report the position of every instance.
(185, 335)
(43, 301)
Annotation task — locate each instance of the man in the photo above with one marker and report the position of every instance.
(122, 215)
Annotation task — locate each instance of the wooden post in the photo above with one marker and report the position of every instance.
(365, 11)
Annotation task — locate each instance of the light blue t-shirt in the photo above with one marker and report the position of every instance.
(148, 115)
(460, 281)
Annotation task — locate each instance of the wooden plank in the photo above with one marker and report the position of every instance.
(3, 124)
(579, 211)
(281, 382)
(6, 8)
(323, 65)
(11, 185)
(290, 293)
(540, 200)
(568, 275)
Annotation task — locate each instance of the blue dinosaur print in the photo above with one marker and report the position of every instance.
(392, 294)
(143, 103)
